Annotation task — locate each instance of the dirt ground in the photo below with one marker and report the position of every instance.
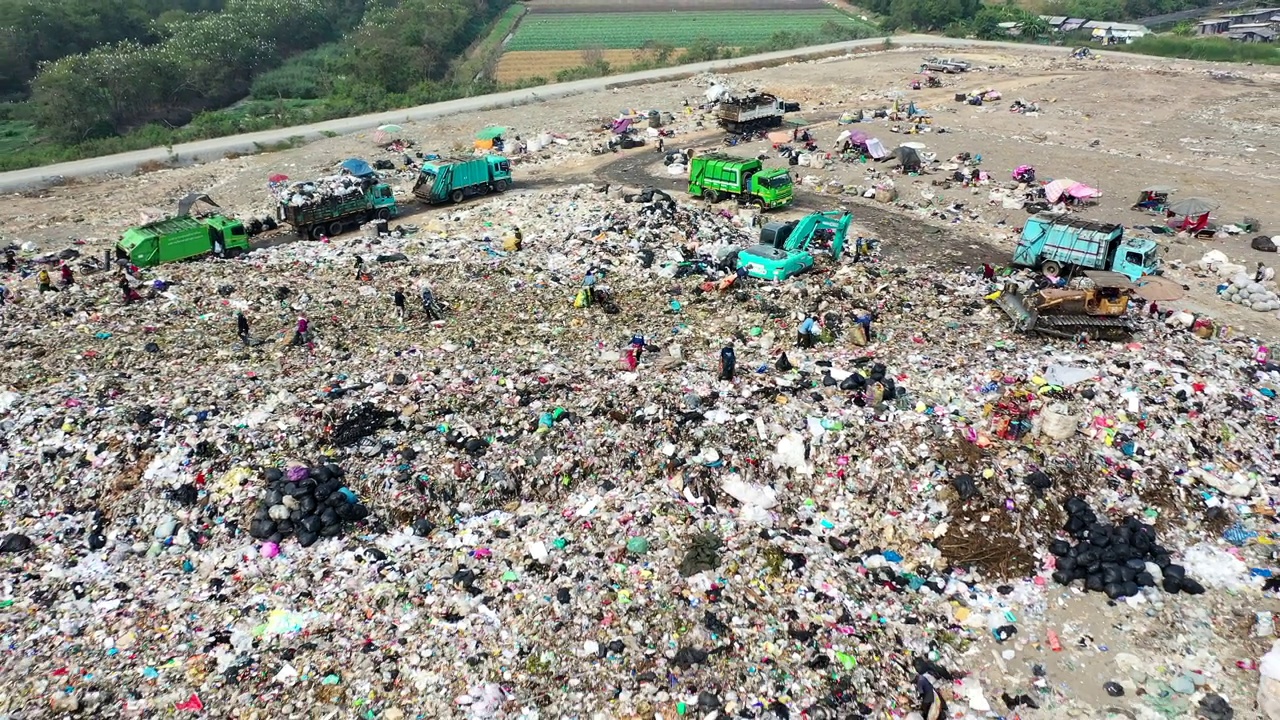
(1211, 130)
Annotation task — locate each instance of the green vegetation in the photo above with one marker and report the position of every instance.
(275, 63)
(483, 56)
(956, 16)
(39, 31)
(574, 31)
(1112, 11)
(1214, 49)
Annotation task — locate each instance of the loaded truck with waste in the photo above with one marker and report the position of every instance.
(1057, 242)
(330, 215)
(715, 176)
(759, 111)
(455, 180)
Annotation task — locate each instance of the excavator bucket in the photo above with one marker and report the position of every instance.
(1013, 304)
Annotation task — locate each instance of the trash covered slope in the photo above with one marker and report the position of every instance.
(544, 510)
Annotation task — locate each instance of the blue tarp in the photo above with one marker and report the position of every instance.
(357, 167)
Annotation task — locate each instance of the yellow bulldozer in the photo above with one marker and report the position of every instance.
(1066, 313)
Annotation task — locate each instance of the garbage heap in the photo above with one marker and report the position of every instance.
(568, 511)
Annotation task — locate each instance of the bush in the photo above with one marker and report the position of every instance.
(1214, 49)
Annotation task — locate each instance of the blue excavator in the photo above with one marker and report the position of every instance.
(784, 246)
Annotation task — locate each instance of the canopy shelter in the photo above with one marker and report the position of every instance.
(186, 203)
(852, 139)
(1154, 197)
(908, 158)
(493, 132)
(1190, 215)
(1068, 190)
(1188, 207)
(386, 133)
(357, 167)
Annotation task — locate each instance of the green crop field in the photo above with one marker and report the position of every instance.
(625, 30)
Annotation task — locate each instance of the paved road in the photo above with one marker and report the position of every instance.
(125, 163)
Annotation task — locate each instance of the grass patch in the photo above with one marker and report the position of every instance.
(17, 136)
(1212, 49)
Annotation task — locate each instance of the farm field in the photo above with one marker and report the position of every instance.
(522, 64)
(596, 6)
(626, 30)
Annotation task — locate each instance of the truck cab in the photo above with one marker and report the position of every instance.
(1136, 257)
(716, 176)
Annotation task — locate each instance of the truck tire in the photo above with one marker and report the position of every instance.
(382, 214)
(500, 186)
(1051, 267)
(711, 196)
(456, 196)
(335, 228)
(316, 232)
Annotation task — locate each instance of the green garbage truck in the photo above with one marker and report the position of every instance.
(330, 214)
(455, 180)
(715, 176)
(182, 238)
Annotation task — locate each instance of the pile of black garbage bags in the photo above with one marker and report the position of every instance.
(305, 502)
(1114, 558)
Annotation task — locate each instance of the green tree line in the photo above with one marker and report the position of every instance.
(39, 31)
(209, 61)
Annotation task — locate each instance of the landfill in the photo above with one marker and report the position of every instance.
(605, 475)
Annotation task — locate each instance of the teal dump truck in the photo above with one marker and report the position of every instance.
(182, 238)
(331, 215)
(715, 176)
(1055, 243)
(455, 180)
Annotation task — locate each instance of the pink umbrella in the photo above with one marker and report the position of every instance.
(1080, 191)
(277, 178)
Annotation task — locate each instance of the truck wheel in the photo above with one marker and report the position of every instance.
(316, 232)
(1051, 267)
(500, 186)
(456, 196)
(335, 229)
(383, 214)
(711, 196)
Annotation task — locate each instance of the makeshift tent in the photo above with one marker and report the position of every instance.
(493, 132)
(907, 157)
(621, 125)
(1153, 197)
(357, 167)
(1069, 188)
(876, 149)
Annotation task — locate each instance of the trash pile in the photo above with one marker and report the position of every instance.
(1244, 291)
(309, 502)
(1115, 559)
(577, 511)
(309, 192)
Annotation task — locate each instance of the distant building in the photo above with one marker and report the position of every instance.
(1213, 26)
(1249, 17)
(1116, 32)
(1062, 23)
(1253, 33)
